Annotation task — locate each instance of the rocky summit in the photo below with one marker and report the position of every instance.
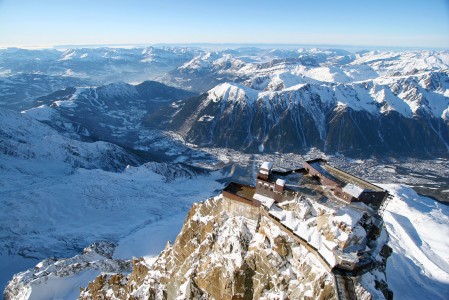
(229, 250)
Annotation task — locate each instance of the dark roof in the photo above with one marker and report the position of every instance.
(241, 190)
(340, 176)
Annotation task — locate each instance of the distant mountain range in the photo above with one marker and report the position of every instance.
(372, 103)
(256, 100)
(98, 65)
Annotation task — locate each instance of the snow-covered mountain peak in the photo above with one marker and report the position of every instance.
(219, 61)
(68, 54)
(163, 55)
(201, 61)
(284, 81)
(232, 92)
(327, 74)
(445, 115)
(279, 100)
(93, 54)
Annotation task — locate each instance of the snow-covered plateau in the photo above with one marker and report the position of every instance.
(418, 227)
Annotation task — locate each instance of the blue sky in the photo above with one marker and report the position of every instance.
(413, 23)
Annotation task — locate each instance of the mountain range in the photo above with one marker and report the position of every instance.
(363, 104)
(405, 116)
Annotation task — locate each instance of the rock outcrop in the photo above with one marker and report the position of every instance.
(221, 254)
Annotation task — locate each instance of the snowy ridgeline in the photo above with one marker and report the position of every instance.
(356, 119)
(374, 81)
(356, 104)
(53, 278)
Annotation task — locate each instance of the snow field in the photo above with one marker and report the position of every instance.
(419, 231)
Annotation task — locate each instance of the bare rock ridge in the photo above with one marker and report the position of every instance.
(218, 255)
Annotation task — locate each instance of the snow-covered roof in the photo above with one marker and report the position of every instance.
(353, 190)
(266, 165)
(266, 201)
(280, 182)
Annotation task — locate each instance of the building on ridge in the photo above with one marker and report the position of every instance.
(271, 186)
(345, 186)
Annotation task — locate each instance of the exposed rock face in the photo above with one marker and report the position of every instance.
(220, 254)
(400, 117)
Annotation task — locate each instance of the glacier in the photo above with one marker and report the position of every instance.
(60, 194)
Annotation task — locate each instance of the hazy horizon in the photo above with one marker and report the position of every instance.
(224, 46)
(401, 24)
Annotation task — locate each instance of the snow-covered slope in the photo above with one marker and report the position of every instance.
(323, 65)
(418, 227)
(18, 92)
(46, 214)
(25, 139)
(61, 278)
(55, 199)
(388, 63)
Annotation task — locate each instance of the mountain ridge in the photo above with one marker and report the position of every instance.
(401, 117)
